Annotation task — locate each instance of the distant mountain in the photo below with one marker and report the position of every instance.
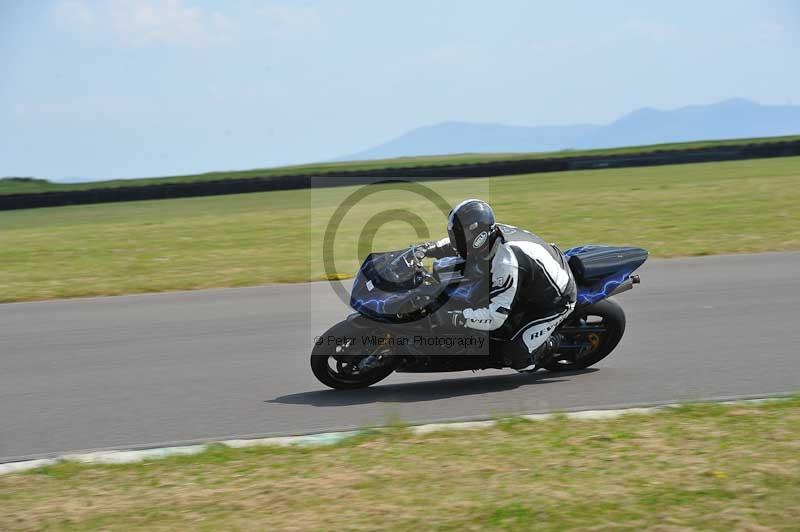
(736, 118)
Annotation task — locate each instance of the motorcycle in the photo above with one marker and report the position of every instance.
(401, 318)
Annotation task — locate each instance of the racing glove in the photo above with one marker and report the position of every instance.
(436, 250)
(456, 318)
(422, 250)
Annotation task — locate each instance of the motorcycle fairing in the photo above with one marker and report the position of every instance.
(389, 289)
(599, 270)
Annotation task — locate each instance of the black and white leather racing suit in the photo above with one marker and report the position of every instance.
(532, 290)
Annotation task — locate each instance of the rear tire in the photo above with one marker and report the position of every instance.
(326, 354)
(613, 320)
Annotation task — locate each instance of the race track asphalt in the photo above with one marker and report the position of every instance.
(148, 370)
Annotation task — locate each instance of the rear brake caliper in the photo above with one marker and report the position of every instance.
(594, 340)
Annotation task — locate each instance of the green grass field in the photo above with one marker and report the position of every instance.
(18, 187)
(274, 237)
(700, 467)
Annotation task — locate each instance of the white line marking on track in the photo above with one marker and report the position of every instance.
(122, 456)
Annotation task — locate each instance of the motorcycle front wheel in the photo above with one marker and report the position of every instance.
(340, 360)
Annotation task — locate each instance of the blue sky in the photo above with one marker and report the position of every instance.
(123, 88)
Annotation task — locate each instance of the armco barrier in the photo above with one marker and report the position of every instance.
(418, 173)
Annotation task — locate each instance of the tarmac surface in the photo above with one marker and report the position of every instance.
(162, 369)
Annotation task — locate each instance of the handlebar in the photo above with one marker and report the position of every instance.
(404, 256)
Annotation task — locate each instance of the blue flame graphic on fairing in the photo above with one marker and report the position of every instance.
(446, 261)
(463, 290)
(580, 249)
(602, 289)
(378, 305)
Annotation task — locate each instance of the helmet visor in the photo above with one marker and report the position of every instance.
(457, 238)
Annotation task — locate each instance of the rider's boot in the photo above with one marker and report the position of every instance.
(542, 354)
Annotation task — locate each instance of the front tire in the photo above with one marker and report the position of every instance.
(606, 315)
(339, 364)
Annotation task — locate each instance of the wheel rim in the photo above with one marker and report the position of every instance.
(582, 340)
(347, 367)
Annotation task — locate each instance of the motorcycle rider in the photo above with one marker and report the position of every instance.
(532, 289)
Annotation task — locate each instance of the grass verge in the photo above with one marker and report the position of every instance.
(17, 186)
(275, 237)
(709, 466)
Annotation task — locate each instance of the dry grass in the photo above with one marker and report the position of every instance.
(275, 237)
(710, 467)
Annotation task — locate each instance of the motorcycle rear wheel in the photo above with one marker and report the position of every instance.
(336, 364)
(606, 315)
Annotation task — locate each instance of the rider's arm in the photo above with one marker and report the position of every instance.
(501, 296)
(440, 248)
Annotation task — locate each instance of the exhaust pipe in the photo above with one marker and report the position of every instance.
(626, 285)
